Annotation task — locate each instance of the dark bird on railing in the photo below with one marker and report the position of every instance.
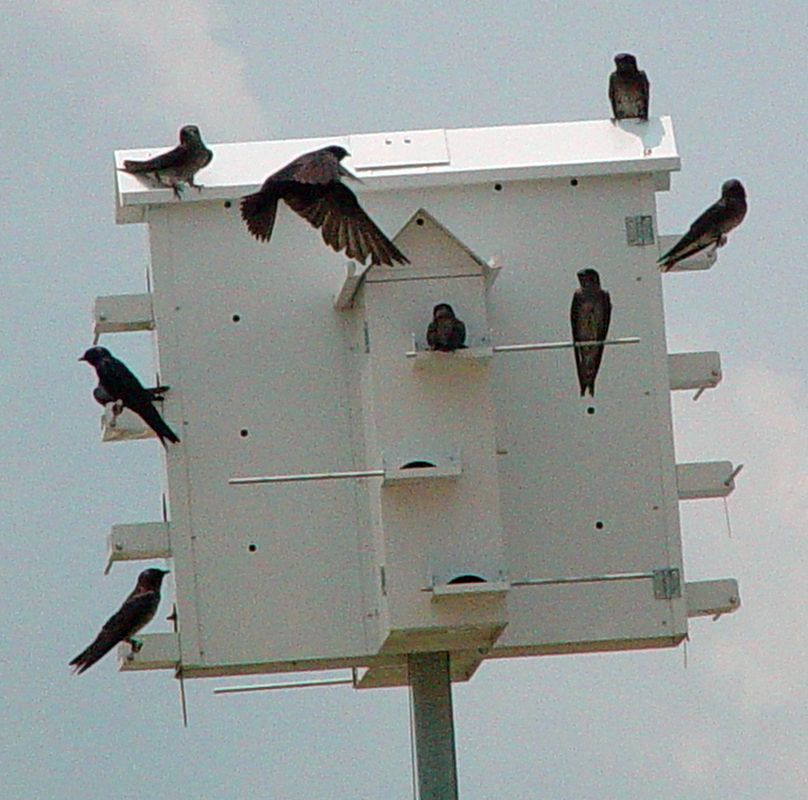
(712, 227)
(446, 332)
(628, 89)
(311, 186)
(135, 613)
(177, 166)
(116, 383)
(590, 314)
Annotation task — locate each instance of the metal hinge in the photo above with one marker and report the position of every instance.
(383, 580)
(639, 231)
(367, 337)
(667, 583)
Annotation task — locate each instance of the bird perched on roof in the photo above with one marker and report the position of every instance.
(177, 166)
(446, 332)
(135, 613)
(590, 314)
(116, 383)
(311, 186)
(628, 89)
(711, 227)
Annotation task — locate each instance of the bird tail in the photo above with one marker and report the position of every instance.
(258, 211)
(90, 655)
(132, 166)
(152, 418)
(687, 246)
(587, 361)
(587, 384)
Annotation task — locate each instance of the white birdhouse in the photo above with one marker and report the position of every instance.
(470, 501)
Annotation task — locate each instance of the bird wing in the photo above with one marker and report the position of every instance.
(319, 167)
(645, 88)
(613, 93)
(576, 320)
(575, 313)
(120, 383)
(459, 332)
(136, 611)
(344, 224)
(151, 416)
(432, 334)
(173, 158)
(604, 315)
(258, 212)
(705, 230)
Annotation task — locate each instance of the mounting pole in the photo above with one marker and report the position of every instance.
(431, 691)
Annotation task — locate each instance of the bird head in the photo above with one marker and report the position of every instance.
(338, 152)
(150, 579)
(190, 133)
(443, 311)
(625, 62)
(733, 188)
(95, 355)
(589, 277)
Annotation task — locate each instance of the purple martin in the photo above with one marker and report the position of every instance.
(176, 166)
(135, 613)
(712, 227)
(311, 186)
(116, 383)
(590, 314)
(446, 332)
(628, 89)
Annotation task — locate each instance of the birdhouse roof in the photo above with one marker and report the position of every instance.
(433, 251)
(427, 158)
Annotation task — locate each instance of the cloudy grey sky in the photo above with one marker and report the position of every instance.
(83, 78)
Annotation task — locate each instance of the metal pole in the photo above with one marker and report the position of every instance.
(308, 476)
(431, 691)
(269, 687)
(521, 348)
(518, 348)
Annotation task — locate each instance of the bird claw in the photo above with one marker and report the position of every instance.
(136, 645)
(116, 410)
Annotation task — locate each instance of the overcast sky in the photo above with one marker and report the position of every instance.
(81, 79)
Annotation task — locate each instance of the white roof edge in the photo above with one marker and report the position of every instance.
(411, 159)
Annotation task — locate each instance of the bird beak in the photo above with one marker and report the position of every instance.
(82, 358)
